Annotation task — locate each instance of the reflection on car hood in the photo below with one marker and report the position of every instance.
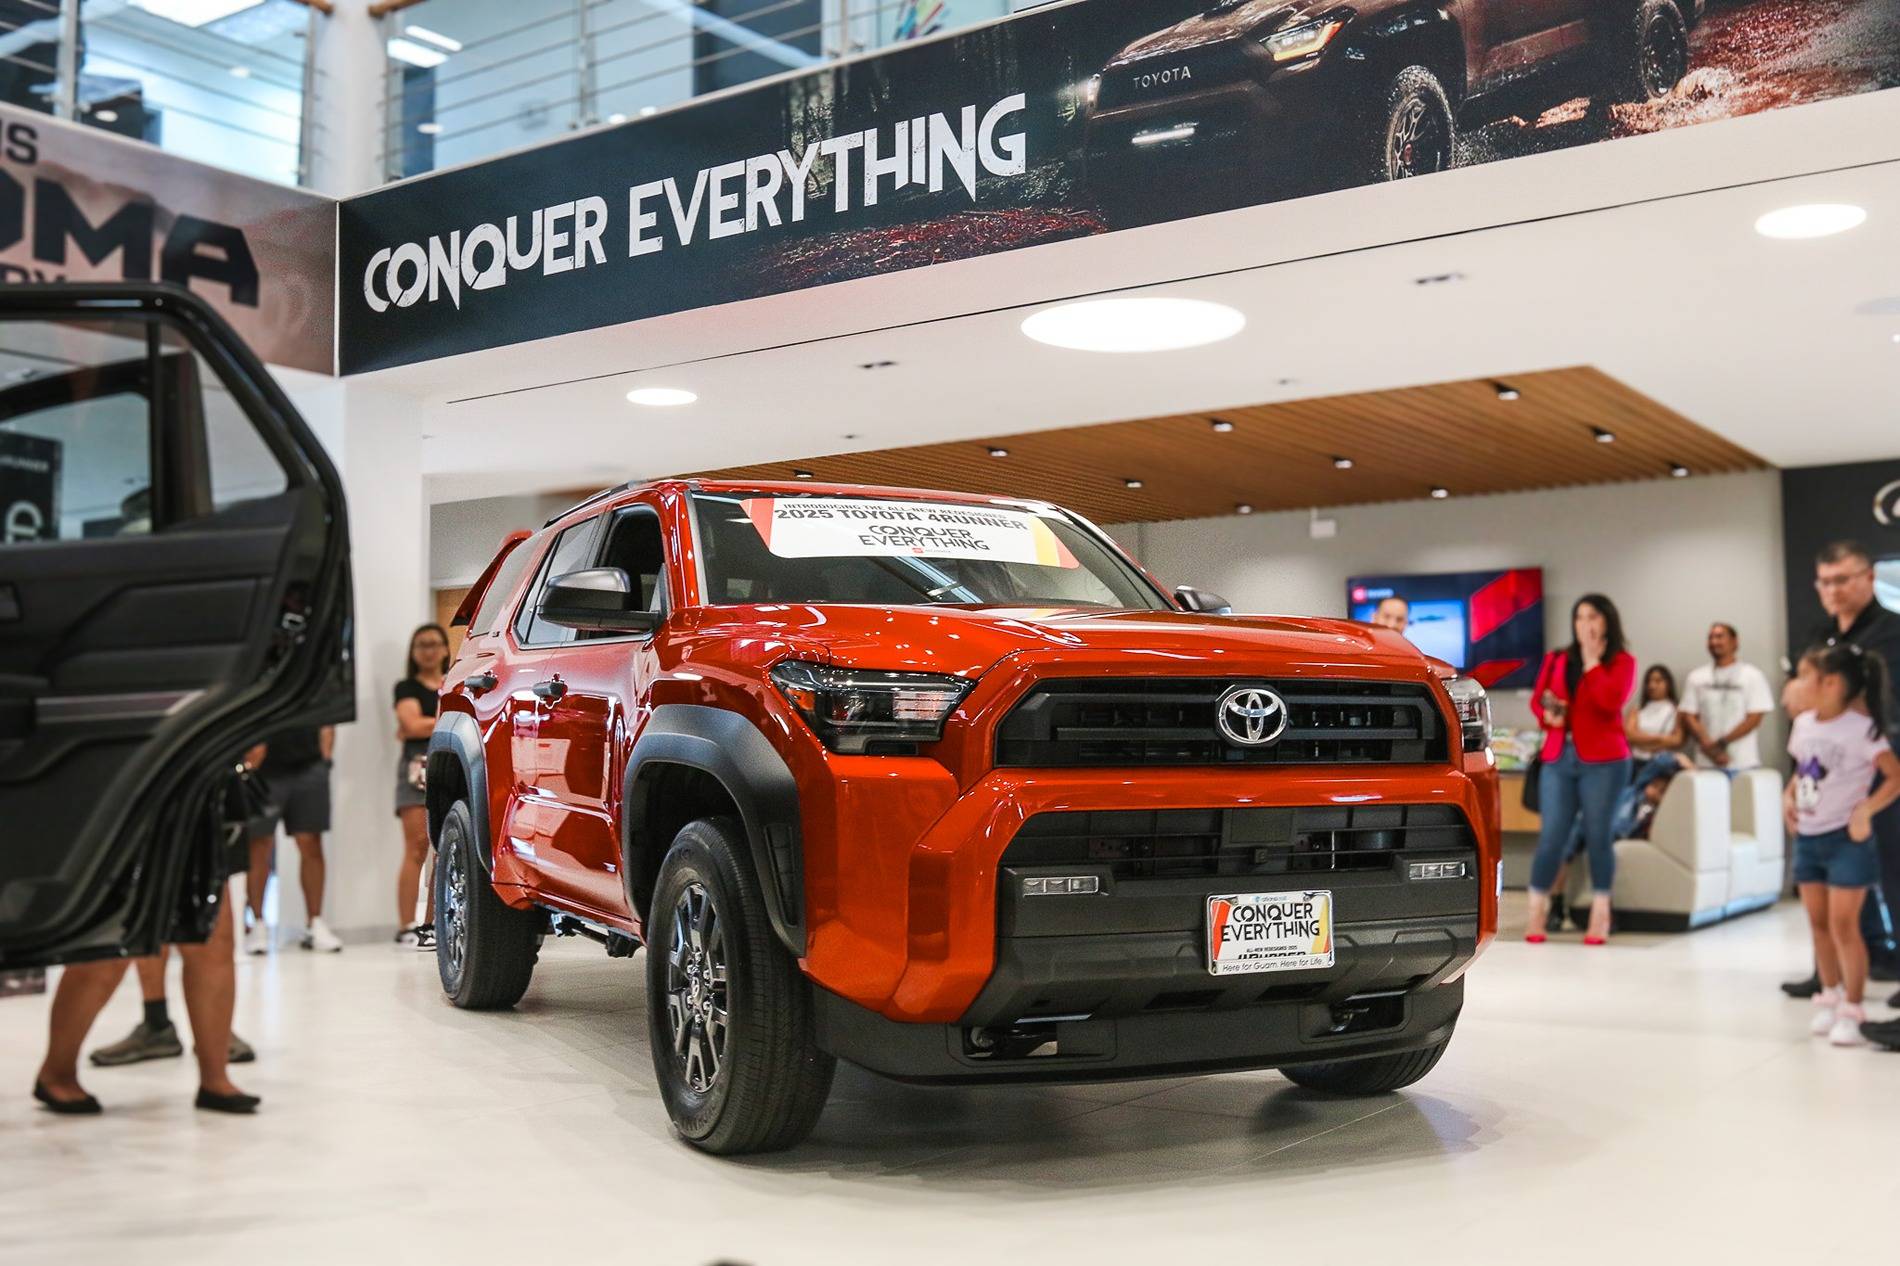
(1221, 22)
(969, 640)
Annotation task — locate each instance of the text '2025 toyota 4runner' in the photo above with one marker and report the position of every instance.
(1302, 95)
(949, 787)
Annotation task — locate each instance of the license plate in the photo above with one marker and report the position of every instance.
(1269, 931)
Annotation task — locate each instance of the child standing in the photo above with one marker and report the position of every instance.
(1838, 746)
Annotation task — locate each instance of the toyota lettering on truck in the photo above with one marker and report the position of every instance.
(950, 788)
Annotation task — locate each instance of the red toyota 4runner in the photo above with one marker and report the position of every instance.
(949, 787)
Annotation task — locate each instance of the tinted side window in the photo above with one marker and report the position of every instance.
(572, 549)
(502, 587)
(633, 545)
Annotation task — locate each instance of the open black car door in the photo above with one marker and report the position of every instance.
(174, 583)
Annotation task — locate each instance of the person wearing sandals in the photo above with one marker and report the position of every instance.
(415, 703)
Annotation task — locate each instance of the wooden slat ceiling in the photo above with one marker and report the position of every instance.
(1458, 435)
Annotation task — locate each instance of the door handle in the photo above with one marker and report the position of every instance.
(550, 691)
(481, 683)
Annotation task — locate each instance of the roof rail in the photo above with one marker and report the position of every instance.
(584, 502)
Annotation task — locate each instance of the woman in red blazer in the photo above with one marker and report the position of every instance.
(1578, 700)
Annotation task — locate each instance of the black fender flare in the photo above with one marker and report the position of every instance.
(457, 740)
(727, 746)
(1426, 32)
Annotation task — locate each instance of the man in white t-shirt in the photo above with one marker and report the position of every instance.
(1723, 705)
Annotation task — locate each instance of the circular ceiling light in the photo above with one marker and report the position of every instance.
(660, 397)
(1221, 426)
(1243, 508)
(1439, 494)
(999, 452)
(1813, 219)
(1137, 324)
(1342, 463)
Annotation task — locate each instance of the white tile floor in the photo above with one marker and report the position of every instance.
(1659, 1098)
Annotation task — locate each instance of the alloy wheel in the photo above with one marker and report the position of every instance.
(1416, 145)
(697, 989)
(452, 916)
(1665, 57)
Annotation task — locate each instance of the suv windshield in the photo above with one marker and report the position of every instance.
(778, 548)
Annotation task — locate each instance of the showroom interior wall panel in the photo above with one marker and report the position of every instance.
(1673, 554)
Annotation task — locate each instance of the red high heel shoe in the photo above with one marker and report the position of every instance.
(1535, 938)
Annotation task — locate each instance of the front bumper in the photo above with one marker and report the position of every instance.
(1159, 1044)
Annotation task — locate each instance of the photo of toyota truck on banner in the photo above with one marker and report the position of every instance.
(1080, 120)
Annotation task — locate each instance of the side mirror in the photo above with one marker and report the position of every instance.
(599, 599)
(1206, 601)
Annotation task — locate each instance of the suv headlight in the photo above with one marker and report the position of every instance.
(866, 712)
(1303, 41)
(1474, 712)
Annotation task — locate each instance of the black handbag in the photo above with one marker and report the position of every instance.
(1534, 783)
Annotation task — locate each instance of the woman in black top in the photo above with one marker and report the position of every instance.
(415, 704)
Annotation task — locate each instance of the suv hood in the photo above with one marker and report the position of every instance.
(968, 641)
(1228, 20)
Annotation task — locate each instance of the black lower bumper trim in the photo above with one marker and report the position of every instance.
(1161, 1044)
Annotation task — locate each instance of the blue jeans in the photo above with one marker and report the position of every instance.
(1569, 788)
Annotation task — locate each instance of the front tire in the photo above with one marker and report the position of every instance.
(484, 949)
(1649, 53)
(1414, 133)
(729, 1014)
(1377, 1075)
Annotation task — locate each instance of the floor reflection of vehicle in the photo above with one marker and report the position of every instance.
(1313, 95)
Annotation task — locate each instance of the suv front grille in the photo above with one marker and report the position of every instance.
(1170, 721)
(1161, 76)
(1138, 844)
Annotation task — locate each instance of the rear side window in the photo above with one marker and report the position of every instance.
(502, 587)
(572, 550)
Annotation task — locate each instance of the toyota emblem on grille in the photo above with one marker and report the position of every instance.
(1251, 716)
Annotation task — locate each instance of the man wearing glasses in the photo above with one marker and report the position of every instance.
(1844, 580)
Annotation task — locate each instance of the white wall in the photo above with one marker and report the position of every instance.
(1674, 555)
(463, 535)
(375, 440)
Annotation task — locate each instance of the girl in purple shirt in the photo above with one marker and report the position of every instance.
(1839, 748)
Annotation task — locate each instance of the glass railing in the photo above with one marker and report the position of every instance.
(472, 78)
(220, 81)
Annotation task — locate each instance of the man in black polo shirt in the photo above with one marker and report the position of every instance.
(1844, 581)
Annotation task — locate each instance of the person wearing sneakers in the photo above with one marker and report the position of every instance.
(415, 703)
(1838, 745)
(155, 1036)
(295, 765)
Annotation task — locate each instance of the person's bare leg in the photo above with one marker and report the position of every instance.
(310, 873)
(258, 878)
(84, 989)
(1827, 963)
(1850, 947)
(210, 995)
(415, 847)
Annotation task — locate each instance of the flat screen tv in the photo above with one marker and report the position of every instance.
(1490, 624)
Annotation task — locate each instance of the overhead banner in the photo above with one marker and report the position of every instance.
(79, 204)
(1056, 124)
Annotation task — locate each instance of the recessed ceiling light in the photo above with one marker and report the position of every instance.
(1506, 391)
(647, 110)
(660, 397)
(1243, 508)
(1678, 471)
(1813, 219)
(410, 53)
(112, 116)
(1131, 483)
(436, 38)
(1439, 494)
(1602, 436)
(1342, 463)
(999, 452)
(616, 118)
(801, 474)
(1221, 426)
(1135, 324)
(241, 72)
(429, 129)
